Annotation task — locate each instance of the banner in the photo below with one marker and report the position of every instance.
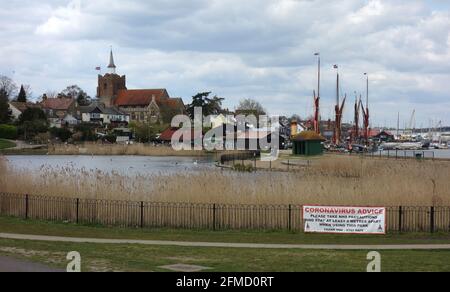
(346, 220)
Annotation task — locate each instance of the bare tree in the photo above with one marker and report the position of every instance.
(51, 94)
(251, 106)
(8, 86)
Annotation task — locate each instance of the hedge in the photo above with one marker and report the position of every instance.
(8, 132)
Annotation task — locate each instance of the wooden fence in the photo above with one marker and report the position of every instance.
(199, 216)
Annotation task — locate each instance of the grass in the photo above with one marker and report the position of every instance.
(136, 258)
(330, 180)
(16, 225)
(5, 144)
(109, 257)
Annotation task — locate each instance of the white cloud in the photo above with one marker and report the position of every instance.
(254, 48)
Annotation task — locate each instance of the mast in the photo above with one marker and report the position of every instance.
(317, 99)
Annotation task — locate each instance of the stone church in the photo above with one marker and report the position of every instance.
(143, 105)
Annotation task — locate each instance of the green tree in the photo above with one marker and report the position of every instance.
(210, 106)
(32, 114)
(22, 95)
(5, 111)
(75, 92)
(144, 132)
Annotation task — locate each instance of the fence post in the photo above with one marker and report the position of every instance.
(78, 210)
(400, 219)
(142, 214)
(26, 206)
(290, 218)
(432, 219)
(214, 217)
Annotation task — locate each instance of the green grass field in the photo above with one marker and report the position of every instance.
(110, 257)
(5, 144)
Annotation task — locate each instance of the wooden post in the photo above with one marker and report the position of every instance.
(400, 219)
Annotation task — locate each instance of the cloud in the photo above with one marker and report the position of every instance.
(256, 48)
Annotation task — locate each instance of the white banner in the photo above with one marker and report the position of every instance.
(350, 220)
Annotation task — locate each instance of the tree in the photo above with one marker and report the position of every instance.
(251, 107)
(75, 92)
(5, 111)
(32, 114)
(22, 95)
(210, 106)
(144, 132)
(8, 86)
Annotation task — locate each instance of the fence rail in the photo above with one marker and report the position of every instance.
(200, 216)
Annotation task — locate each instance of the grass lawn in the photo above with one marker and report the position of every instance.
(20, 226)
(4, 144)
(109, 257)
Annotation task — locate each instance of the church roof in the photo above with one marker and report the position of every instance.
(140, 97)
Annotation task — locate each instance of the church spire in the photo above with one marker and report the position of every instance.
(112, 67)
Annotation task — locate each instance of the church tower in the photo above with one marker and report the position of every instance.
(110, 84)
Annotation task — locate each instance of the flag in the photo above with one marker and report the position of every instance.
(98, 68)
(335, 66)
(316, 54)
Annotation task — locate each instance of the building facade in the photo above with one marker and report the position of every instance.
(142, 105)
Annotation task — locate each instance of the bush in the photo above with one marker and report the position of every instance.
(62, 134)
(8, 132)
(243, 168)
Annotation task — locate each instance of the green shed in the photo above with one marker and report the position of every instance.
(307, 143)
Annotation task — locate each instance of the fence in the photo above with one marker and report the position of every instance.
(200, 216)
(398, 154)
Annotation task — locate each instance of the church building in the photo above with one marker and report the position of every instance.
(143, 105)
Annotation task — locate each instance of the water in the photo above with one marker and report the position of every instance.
(410, 153)
(123, 165)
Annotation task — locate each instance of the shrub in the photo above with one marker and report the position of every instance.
(8, 132)
(62, 134)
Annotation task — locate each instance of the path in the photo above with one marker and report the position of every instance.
(228, 245)
(8, 264)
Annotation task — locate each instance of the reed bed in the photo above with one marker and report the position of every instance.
(115, 149)
(331, 180)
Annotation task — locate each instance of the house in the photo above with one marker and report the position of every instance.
(58, 109)
(142, 105)
(99, 114)
(308, 143)
(17, 108)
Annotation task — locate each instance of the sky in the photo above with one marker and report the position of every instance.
(260, 49)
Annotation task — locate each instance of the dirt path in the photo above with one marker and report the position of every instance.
(228, 245)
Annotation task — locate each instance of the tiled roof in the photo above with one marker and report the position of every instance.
(139, 97)
(22, 106)
(166, 136)
(57, 103)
